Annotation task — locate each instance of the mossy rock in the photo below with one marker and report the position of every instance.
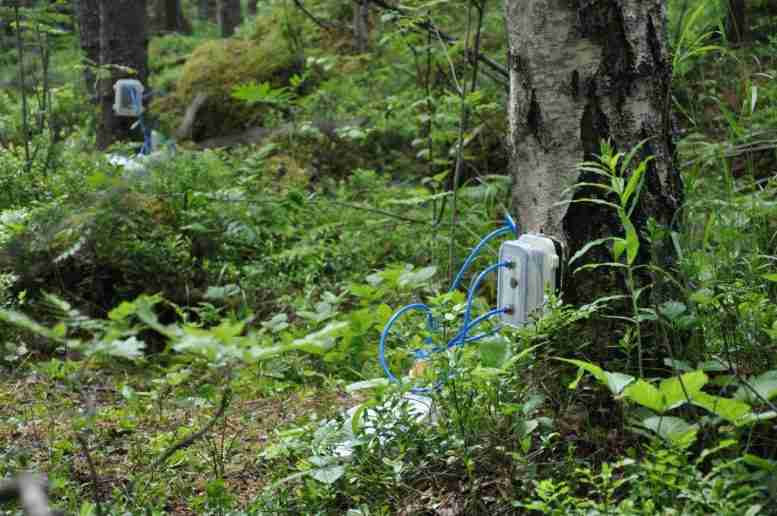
(216, 68)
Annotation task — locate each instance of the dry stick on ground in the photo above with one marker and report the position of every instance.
(30, 490)
(92, 473)
(191, 439)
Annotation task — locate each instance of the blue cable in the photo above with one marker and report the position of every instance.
(147, 132)
(509, 227)
(474, 288)
(430, 322)
(461, 337)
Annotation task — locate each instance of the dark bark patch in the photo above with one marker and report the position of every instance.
(534, 120)
(574, 84)
(594, 127)
(520, 66)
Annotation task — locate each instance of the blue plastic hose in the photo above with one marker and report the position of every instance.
(147, 133)
(509, 227)
(462, 337)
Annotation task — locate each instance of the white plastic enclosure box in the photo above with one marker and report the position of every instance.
(128, 97)
(533, 269)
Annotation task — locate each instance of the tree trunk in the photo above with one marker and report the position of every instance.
(123, 42)
(251, 7)
(172, 15)
(737, 31)
(89, 36)
(361, 14)
(207, 10)
(230, 16)
(580, 73)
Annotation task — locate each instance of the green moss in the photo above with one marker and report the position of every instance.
(217, 67)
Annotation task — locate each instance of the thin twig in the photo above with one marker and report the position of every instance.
(450, 40)
(192, 438)
(377, 211)
(324, 24)
(92, 473)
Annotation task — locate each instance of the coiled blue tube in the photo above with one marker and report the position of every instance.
(461, 337)
(147, 133)
(386, 329)
(509, 227)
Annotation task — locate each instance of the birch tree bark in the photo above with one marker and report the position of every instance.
(583, 71)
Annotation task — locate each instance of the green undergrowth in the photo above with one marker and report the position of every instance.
(200, 335)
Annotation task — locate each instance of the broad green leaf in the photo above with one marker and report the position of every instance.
(770, 277)
(672, 310)
(22, 321)
(759, 462)
(681, 389)
(494, 352)
(632, 239)
(617, 248)
(714, 365)
(328, 475)
(222, 292)
(673, 429)
(643, 393)
(616, 382)
(322, 340)
(367, 384)
(678, 365)
(416, 278)
(121, 312)
(764, 385)
(130, 348)
(731, 410)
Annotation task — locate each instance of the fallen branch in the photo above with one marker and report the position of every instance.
(192, 438)
(92, 473)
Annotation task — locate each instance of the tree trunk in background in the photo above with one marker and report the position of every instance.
(737, 30)
(123, 41)
(89, 37)
(230, 16)
(361, 34)
(207, 10)
(203, 9)
(172, 15)
(252, 7)
(580, 73)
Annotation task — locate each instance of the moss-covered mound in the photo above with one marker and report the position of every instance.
(216, 68)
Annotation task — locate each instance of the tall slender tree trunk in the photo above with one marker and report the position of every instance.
(361, 34)
(230, 16)
(207, 10)
(583, 72)
(251, 7)
(172, 15)
(123, 42)
(737, 30)
(89, 37)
